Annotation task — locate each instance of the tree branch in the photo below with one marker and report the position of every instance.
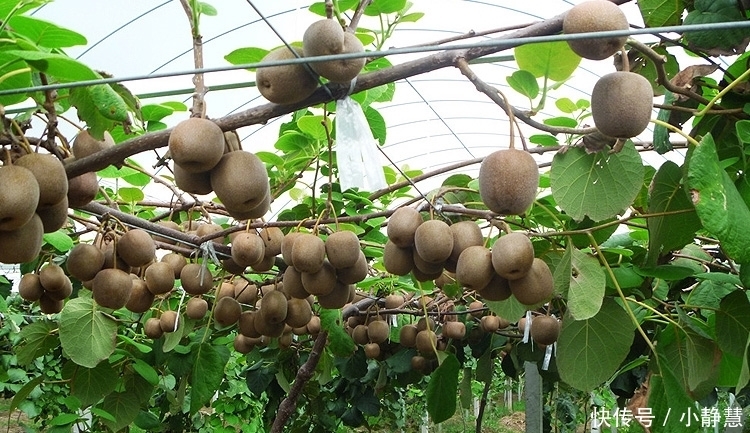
(289, 404)
(357, 15)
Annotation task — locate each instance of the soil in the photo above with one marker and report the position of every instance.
(18, 420)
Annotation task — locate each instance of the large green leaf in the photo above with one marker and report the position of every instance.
(87, 335)
(90, 385)
(38, 339)
(733, 323)
(719, 205)
(59, 66)
(341, 344)
(554, 60)
(669, 232)
(658, 13)
(587, 283)
(590, 351)
(124, 408)
(16, 75)
(711, 12)
(667, 399)
(599, 185)
(100, 106)
(45, 34)
(745, 371)
(207, 373)
(441, 390)
(509, 309)
(694, 360)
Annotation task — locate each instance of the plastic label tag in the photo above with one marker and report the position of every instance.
(356, 150)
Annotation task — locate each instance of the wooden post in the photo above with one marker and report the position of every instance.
(534, 408)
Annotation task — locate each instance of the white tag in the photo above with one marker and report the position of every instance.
(527, 329)
(356, 150)
(547, 356)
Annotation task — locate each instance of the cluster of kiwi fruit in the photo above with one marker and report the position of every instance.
(427, 249)
(292, 83)
(33, 201)
(205, 162)
(621, 101)
(50, 286)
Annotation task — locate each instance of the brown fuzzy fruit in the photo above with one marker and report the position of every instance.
(508, 181)
(433, 241)
(477, 308)
(240, 181)
(196, 144)
(320, 283)
(227, 311)
(54, 217)
(339, 296)
(195, 280)
(426, 342)
(397, 260)
(512, 255)
(595, 16)
(474, 268)
(322, 38)
(272, 238)
(193, 183)
(82, 189)
(359, 334)
(298, 312)
(308, 253)
(141, 298)
(169, 321)
(50, 175)
(245, 292)
(343, 70)
(454, 330)
(498, 289)
(408, 335)
(22, 244)
(372, 350)
(159, 278)
(287, 244)
(244, 345)
(465, 234)
(152, 328)
(394, 300)
(545, 329)
(29, 288)
(356, 273)
(247, 324)
(378, 331)
(176, 261)
(342, 249)
(84, 144)
(19, 197)
(111, 288)
(621, 104)
(489, 323)
(247, 249)
(50, 305)
(196, 308)
(402, 225)
(285, 84)
(136, 247)
(53, 278)
(84, 261)
(293, 283)
(536, 287)
(274, 307)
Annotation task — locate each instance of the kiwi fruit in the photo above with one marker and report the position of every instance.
(29, 287)
(285, 84)
(308, 253)
(621, 104)
(242, 344)
(19, 197)
(249, 213)
(247, 249)
(298, 312)
(50, 305)
(393, 301)
(489, 323)
(339, 296)
(425, 323)
(225, 289)
(342, 249)
(372, 350)
(227, 311)
(474, 268)
(265, 265)
(465, 234)
(343, 70)
(356, 273)
(397, 260)
(196, 308)
(170, 225)
(193, 183)
(476, 308)
(112, 287)
(274, 307)
(63, 293)
(54, 217)
(293, 284)
(433, 241)
(152, 328)
(169, 321)
(512, 255)
(210, 229)
(247, 324)
(141, 298)
(245, 292)
(175, 261)
(240, 180)
(313, 326)
(536, 287)
(53, 278)
(426, 267)
(272, 238)
(326, 37)
(82, 189)
(321, 282)
(595, 16)
(286, 246)
(378, 331)
(522, 325)
(84, 261)
(454, 330)
(136, 247)
(85, 145)
(545, 329)
(426, 342)
(408, 335)
(498, 289)
(402, 225)
(266, 328)
(196, 144)
(359, 334)
(508, 181)
(50, 175)
(195, 280)
(232, 267)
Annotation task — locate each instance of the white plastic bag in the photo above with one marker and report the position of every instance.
(358, 159)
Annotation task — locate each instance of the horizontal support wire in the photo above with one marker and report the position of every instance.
(495, 43)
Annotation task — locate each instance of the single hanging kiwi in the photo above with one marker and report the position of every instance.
(508, 181)
(196, 144)
(512, 255)
(595, 16)
(621, 104)
(285, 84)
(402, 225)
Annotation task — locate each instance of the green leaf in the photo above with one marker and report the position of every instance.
(562, 121)
(669, 232)
(667, 399)
(400, 362)
(243, 56)
(124, 408)
(90, 385)
(155, 112)
(206, 9)
(87, 335)
(378, 7)
(510, 308)
(146, 371)
(377, 124)
(23, 393)
(743, 131)
(733, 323)
(341, 344)
(15, 74)
(207, 373)
(590, 351)
(38, 339)
(45, 34)
(662, 144)
(59, 66)
(64, 419)
(562, 270)
(566, 105)
(693, 359)
(132, 195)
(312, 126)
(411, 18)
(599, 185)
(744, 378)
(711, 12)
(719, 205)
(554, 60)
(466, 396)
(587, 284)
(441, 390)
(100, 106)
(658, 13)
(544, 140)
(60, 240)
(524, 83)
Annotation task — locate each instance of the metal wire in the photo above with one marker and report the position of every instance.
(495, 43)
